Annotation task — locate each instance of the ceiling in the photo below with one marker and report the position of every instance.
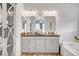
(44, 6)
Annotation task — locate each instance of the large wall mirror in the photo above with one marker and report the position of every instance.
(39, 26)
(37, 23)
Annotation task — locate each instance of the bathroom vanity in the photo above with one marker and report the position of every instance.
(39, 33)
(44, 43)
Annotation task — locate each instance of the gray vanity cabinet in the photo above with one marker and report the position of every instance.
(25, 44)
(52, 44)
(32, 44)
(40, 44)
(28, 44)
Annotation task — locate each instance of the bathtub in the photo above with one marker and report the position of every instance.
(70, 49)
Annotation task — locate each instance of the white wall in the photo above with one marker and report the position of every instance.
(78, 23)
(67, 22)
(67, 16)
(18, 29)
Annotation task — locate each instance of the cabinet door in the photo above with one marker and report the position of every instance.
(55, 46)
(32, 41)
(49, 42)
(40, 44)
(52, 44)
(9, 28)
(25, 44)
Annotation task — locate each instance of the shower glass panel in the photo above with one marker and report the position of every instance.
(9, 29)
(1, 29)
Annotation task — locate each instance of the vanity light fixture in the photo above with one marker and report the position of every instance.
(34, 12)
(26, 12)
(30, 13)
(49, 13)
(45, 13)
(54, 13)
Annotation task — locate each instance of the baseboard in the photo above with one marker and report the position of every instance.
(56, 53)
(40, 52)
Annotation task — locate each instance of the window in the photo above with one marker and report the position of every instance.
(39, 25)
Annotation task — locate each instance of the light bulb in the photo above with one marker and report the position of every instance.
(50, 11)
(26, 12)
(34, 12)
(54, 12)
(29, 12)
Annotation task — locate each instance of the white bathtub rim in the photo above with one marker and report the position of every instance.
(70, 43)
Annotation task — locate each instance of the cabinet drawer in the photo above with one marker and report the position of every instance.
(25, 44)
(32, 44)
